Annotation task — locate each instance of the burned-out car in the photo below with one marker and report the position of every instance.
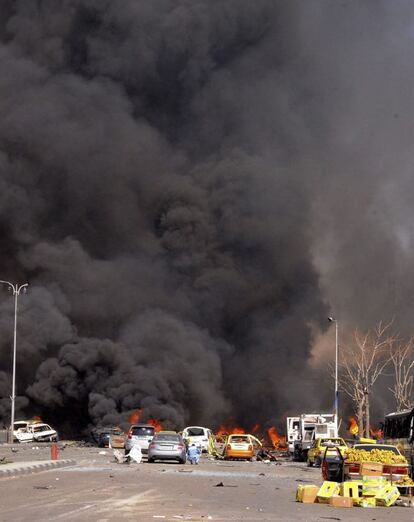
(36, 432)
(106, 437)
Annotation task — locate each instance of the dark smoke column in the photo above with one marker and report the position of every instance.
(165, 228)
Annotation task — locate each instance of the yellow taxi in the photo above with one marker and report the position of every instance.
(322, 445)
(240, 446)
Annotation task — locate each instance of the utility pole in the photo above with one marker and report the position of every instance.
(16, 288)
(333, 320)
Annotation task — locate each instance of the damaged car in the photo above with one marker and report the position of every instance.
(38, 432)
(111, 437)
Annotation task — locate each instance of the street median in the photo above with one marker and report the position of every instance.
(26, 468)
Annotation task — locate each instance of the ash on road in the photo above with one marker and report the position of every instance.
(99, 490)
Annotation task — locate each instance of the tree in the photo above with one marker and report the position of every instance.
(361, 365)
(402, 358)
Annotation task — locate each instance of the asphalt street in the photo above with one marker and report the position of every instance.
(97, 489)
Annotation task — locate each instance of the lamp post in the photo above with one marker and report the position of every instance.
(333, 320)
(16, 292)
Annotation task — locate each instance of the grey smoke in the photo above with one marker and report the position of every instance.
(189, 187)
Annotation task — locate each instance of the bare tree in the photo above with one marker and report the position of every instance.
(402, 357)
(361, 364)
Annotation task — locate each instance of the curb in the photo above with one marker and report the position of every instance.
(15, 469)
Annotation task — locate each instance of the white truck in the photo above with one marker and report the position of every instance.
(303, 430)
(292, 432)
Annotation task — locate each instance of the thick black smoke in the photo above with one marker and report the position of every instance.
(176, 179)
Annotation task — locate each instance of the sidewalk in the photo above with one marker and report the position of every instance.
(24, 468)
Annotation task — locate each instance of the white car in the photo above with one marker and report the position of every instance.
(21, 426)
(141, 435)
(38, 432)
(197, 435)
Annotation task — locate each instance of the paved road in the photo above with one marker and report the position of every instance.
(99, 490)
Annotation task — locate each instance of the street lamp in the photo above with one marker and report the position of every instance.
(333, 320)
(16, 292)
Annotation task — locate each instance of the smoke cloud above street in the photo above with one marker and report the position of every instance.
(190, 189)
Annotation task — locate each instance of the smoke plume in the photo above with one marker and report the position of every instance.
(190, 187)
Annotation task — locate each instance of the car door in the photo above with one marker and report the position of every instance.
(313, 450)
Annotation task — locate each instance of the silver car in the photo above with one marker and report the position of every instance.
(141, 435)
(167, 446)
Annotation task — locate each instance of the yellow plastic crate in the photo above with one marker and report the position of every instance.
(366, 502)
(351, 489)
(306, 494)
(327, 490)
(372, 485)
(387, 496)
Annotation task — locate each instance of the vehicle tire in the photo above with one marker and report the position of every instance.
(304, 456)
(182, 461)
(309, 463)
(151, 461)
(318, 462)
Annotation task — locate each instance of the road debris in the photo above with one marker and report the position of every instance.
(135, 454)
(119, 456)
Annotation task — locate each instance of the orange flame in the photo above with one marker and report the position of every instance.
(375, 434)
(353, 427)
(228, 428)
(256, 428)
(156, 423)
(135, 416)
(221, 431)
(278, 441)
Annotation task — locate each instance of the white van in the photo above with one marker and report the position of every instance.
(197, 435)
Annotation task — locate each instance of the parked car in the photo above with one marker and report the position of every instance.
(37, 432)
(239, 447)
(397, 470)
(197, 435)
(140, 434)
(167, 446)
(322, 444)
